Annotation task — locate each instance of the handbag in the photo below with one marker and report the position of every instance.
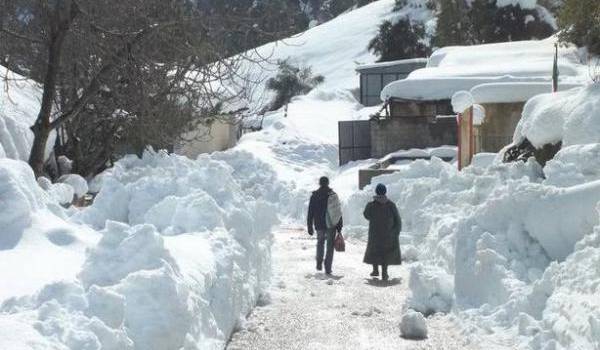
(338, 243)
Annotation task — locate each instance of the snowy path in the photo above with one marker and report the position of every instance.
(349, 311)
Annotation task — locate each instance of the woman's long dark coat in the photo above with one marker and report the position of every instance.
(385, 224)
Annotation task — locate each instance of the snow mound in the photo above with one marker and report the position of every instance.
(78, 183)
(413, 325)
(432, 290)
(495, 242)
(574, 165)
(569, 116)
(184, 253)
(20, 196)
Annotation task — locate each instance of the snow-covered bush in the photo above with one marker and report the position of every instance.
(567, 116)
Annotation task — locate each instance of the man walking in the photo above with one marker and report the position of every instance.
(324, 215)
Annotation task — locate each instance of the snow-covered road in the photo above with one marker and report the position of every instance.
(307, 310)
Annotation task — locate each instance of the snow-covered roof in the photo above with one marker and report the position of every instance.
(514, 92)
(455, 68)
(397, 63)
(443, 88)
(504, 92)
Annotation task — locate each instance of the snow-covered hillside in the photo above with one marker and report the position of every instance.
(333, 49)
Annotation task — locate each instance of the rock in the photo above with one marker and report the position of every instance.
(413, 325)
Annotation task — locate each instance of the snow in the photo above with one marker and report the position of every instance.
(413, 325)
(333, 49)
(456, 68)
(35, 233)
(513, 92)
(487, 238)
(432, 289)
(19, 107)
(174, 251)
(61, 192)
(78, 183)
(574, 165)
(177, 276)
(524, 4)
(391, 63)
(503, 93)
(483, 159)
(568, 116)
(441, 152)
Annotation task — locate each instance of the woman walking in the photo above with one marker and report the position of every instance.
(383, 247)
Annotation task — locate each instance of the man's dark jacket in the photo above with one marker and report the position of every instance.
(317, 210)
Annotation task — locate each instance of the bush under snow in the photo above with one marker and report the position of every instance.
(563, 116)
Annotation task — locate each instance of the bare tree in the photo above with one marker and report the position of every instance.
(118, 75)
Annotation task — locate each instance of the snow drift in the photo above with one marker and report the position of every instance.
(509, 246)
(184, 253)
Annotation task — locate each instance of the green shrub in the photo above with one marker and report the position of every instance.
(291, 81)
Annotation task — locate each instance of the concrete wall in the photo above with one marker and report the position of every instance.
(393, 134)
(499, 125)
(218, 137)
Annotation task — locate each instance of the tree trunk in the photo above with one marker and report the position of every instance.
(42, 127)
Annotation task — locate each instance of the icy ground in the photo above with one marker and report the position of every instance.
(307, 310)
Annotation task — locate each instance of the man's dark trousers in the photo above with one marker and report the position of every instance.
(325, 239)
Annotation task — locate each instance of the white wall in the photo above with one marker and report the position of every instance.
(218, 137)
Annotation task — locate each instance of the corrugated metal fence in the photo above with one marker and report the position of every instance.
(354, 140)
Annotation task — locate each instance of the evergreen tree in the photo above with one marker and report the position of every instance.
(453, 25)
(483, 21)
(291, 81)
(493, 24)
(579, 22)
(399, 41)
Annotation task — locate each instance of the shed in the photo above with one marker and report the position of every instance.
(499, 109)
(373, 77)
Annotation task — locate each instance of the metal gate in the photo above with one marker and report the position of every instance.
(354, 140)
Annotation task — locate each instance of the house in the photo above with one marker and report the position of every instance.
(374, 77)
(218, 135)
(495, 80)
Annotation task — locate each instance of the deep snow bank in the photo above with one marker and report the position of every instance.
(496, 230)
(184, 253)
